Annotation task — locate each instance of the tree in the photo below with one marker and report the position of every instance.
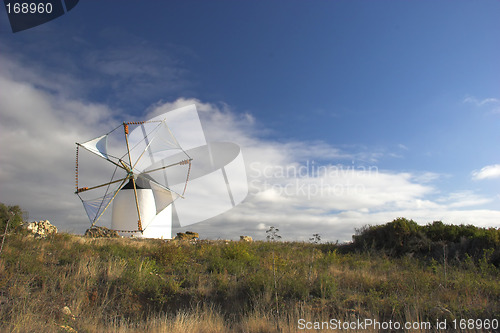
(316, 239)
(12, 215)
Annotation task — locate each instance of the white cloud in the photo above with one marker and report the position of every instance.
(488, 172)
(477, 102)
(463, 199)
(402, 146)
(292, 187)
(427, 177)
(302, 187)
(492, 104)
(37, 135)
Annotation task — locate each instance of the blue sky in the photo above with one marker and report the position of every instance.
(409, 87)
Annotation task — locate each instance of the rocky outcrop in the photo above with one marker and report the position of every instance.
(101, 232)
(188, 235)
(41, 229)
(246, 239)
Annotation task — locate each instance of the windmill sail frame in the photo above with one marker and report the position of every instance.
(146, 145)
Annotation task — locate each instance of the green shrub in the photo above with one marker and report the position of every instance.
(12, 213)
(325, 286)
(434, 240)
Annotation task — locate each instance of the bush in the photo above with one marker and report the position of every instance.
(402, 237)
(395, 238)
(12, 213)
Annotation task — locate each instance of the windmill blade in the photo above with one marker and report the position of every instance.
(179, 130)
(95, 208)
(98, 178)
(150, 142)
(163, 195)
(98, 146)
(109, 146)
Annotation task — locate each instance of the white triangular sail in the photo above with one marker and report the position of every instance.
(98, 146)
(96, 207)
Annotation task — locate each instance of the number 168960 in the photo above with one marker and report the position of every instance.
(29, 8)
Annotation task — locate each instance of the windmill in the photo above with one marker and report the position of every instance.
(139, 158)
(145, 172)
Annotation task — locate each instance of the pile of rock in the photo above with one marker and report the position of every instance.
(41, 229)
(101, 232)
(188, 235)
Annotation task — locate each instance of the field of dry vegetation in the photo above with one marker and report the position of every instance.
(69, 283)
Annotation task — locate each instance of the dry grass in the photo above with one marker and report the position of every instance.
(123, 285)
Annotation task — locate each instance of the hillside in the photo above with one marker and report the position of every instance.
(131, 285)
